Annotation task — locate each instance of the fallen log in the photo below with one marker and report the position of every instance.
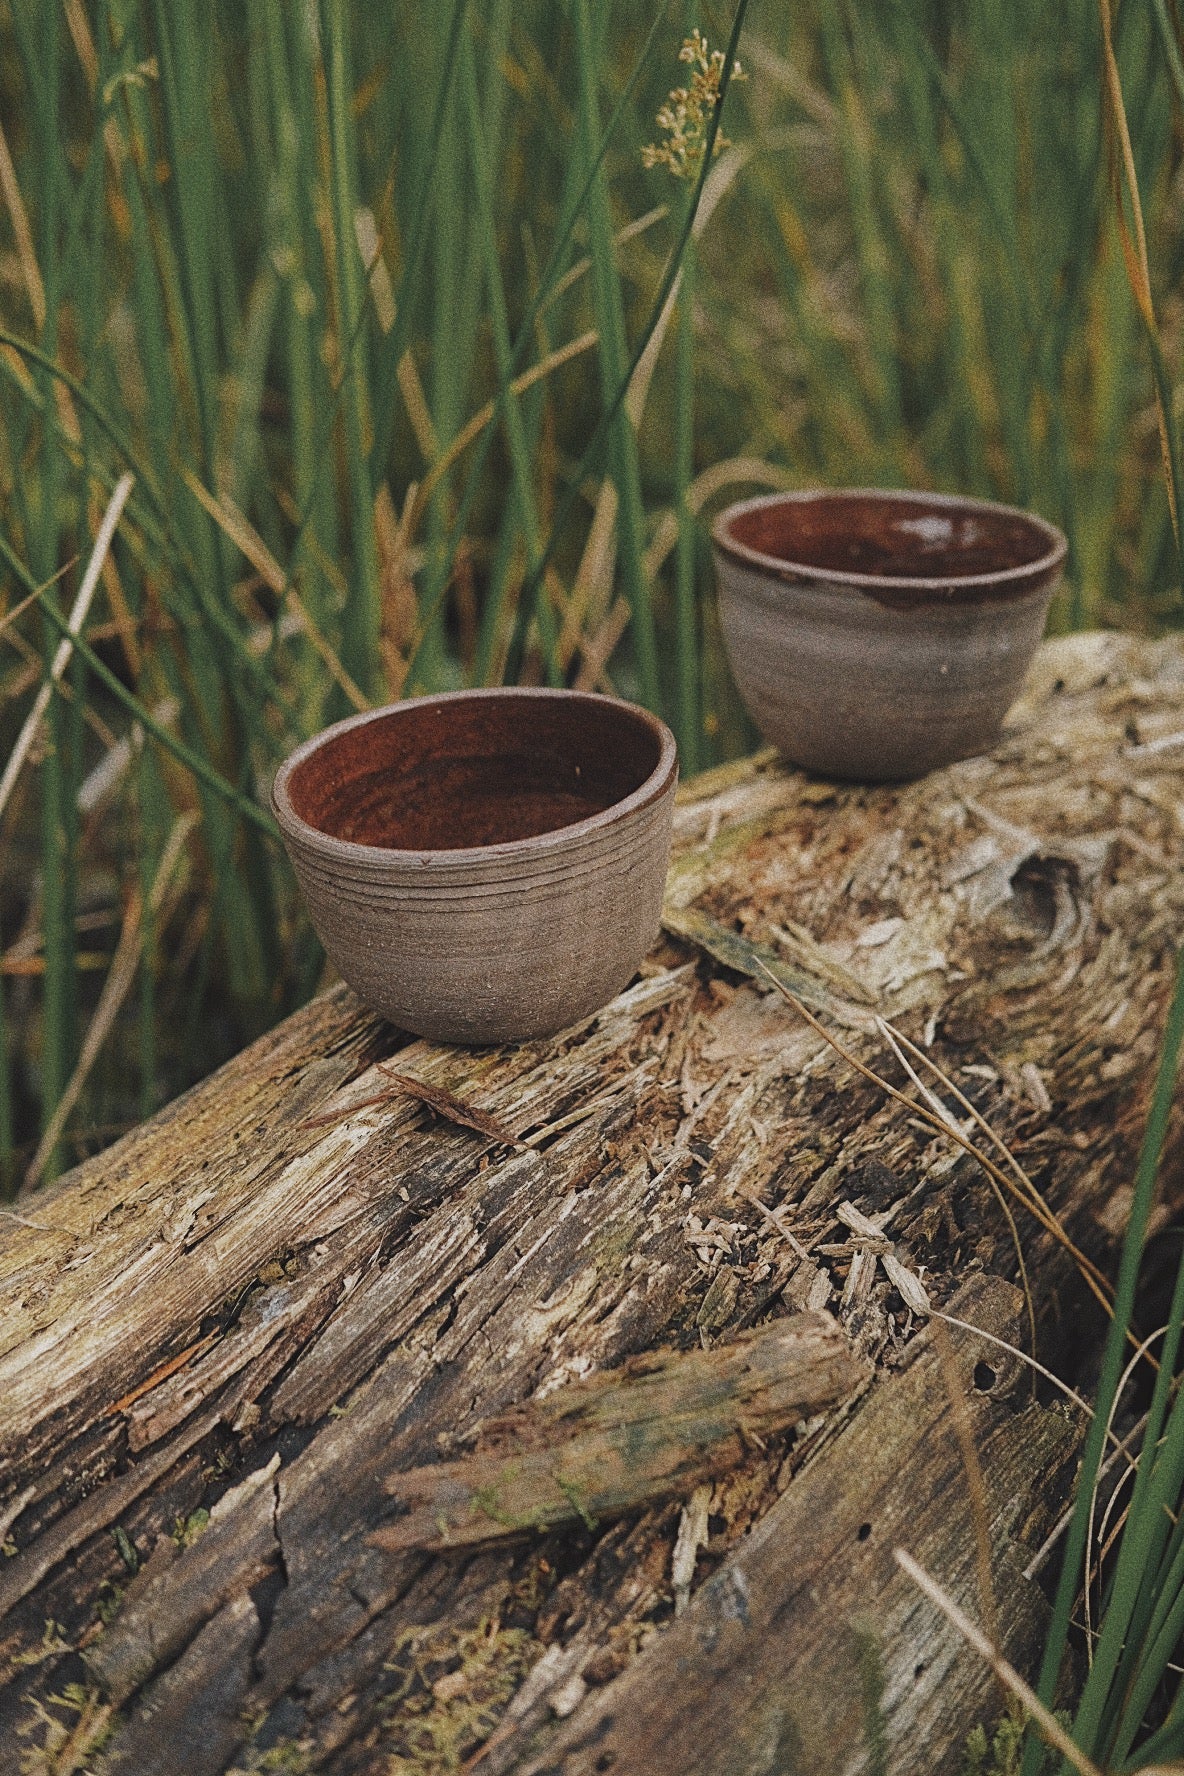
(220, 1337)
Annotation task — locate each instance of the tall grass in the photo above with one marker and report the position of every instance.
(372, 304)
(1130, 1713)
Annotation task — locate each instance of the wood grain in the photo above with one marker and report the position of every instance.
(290, 1263)
(625, 1439)
(808, 1639)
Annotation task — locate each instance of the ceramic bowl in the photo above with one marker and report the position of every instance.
(878, 635)
(484, 866)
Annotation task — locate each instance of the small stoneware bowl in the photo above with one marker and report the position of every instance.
(878, 635)
(484, 866)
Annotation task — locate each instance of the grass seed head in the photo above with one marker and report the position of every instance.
(686, 116)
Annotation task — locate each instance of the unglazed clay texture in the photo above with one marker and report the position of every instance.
(484, 866)
(880, 635)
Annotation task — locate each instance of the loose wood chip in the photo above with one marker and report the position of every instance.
(444, 1103)
(692, 1533)
(858, 1222)
(162, 1373)
(775, 1218)
(451, 1108)
(912, 1290)
(648, 1431)
(330, 1116)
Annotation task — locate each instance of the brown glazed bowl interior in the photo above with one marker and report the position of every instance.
(897, 544)
(473, 771)
(485, 865)
(880, 634)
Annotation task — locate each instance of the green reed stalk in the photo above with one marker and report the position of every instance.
(40, 42)
(417, 243)
(185, 755)
(576, 199)
(8, 1177)
(195, 603)
(1123, 1598)
(859, 168)
(610, 321)
(673, 263)
(359, 647)
(1144, 1605)
(455, 324)
(146, 797)
(520, 463)
(688, 654)
(193, 201)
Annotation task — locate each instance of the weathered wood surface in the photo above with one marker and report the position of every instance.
(626, 1438)
(756, 1680)
(298, 1280)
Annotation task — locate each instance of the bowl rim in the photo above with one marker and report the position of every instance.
(1039, 571)
(663, 776)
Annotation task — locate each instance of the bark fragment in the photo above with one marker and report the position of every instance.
(606, 1447)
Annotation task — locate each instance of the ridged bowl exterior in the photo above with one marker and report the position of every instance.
(495, 943)
(871, 683)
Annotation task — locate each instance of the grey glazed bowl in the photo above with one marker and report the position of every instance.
(878, 635)
(484, 866)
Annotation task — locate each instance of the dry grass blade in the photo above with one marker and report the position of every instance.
(473, 428)
(640, 225)
(250, 544)
(1138, 269)
(1058, 1529)
(749, 471)
(18, 610)
(597, 649)
(451, 1108)
(722, 175)
(1038, 1368)
(592, 590)
(1046, 1723)
(78, 615)
(895, 1041)
(115, 990)
(1089, 1271)
(937, 1313)
(773, 1217)
(325, 651)
(1093, 1568)
(31, 273)
(976, 1116)
(22, 234)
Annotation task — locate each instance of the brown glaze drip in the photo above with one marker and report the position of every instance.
(917, 542)
(447, 776)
